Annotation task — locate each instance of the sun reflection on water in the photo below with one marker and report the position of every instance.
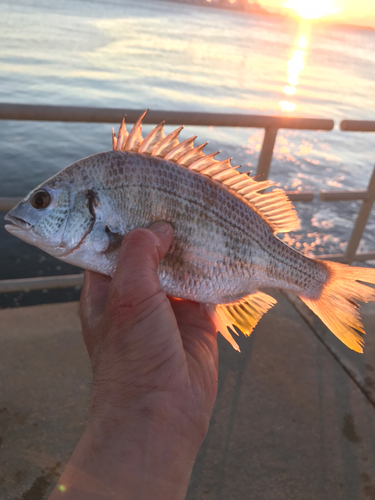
(295, 65)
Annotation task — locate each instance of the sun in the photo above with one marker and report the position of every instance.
(312, 9)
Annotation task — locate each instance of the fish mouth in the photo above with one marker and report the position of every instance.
(17, 222)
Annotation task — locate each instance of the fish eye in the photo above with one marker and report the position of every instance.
(41, 199)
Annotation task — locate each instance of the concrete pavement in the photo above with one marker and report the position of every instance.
(294, 417)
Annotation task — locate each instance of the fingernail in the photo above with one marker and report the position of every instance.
(161, 228)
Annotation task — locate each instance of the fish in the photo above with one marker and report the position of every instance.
(225, 247)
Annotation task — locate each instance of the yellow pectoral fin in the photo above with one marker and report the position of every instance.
(243, 314)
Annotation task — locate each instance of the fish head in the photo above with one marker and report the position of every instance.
(65, 219)
(40, 218)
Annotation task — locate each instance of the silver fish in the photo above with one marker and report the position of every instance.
(224, 247)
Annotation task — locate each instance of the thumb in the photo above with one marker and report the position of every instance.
(92, 306)
(135, 280)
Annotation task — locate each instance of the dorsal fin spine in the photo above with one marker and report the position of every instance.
(122, 136)
(135, 138)
(225, 174)
(213, 169)
(203, 162)
(154, 137)
(275, 212)
(255, 187)
(178, 151)
(114, 140)
(193, 155)
(163, 147)
(239, 184)
(269, 203)
(235, 179)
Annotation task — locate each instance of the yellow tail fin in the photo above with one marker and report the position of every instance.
(337, 305)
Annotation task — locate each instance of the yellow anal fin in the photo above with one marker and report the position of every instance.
(243, 314)
(221, 325)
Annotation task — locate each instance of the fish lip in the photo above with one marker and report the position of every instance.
(17, 222)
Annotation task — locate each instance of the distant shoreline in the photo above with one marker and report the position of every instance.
(258, 10)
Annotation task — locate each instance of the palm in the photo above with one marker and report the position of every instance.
(199, 343)
(185, 367)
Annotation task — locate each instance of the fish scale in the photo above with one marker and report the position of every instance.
(224, 248)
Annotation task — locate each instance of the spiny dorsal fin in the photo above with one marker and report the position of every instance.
(114, 140)
(243, 314)
(215, 168)
(122, 136)
(180, 150)
(192, 156)
(275, 207)
(162, 148)
(154, 137)
(135, 136)
(203, 163)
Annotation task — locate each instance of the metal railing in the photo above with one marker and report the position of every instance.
(368, 197)
(270, 124)
(357, 126)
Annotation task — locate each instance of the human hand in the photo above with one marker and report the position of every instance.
(154, 363)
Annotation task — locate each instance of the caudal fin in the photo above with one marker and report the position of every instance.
(337, 305)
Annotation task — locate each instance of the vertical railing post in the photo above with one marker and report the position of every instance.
(266, 153)
(361, 221)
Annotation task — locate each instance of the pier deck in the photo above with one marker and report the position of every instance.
(294, 417)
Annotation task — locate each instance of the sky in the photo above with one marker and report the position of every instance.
(361, 12)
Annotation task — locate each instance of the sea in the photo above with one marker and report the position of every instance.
(183, 57)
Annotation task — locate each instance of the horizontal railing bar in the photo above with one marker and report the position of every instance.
(357, 125)
(10, 111)
(340, 257)
(363, 256)
(343, 195)
(7, 204)
(48, 282)
(305, 196)
(336, 257)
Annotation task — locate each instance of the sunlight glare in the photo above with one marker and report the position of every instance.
(293, 80)
(289, 90)
(312, 9)
(294, 67)
(287, 106)
(302, 42)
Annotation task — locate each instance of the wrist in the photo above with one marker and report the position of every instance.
(135, 460)
(171, 413)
